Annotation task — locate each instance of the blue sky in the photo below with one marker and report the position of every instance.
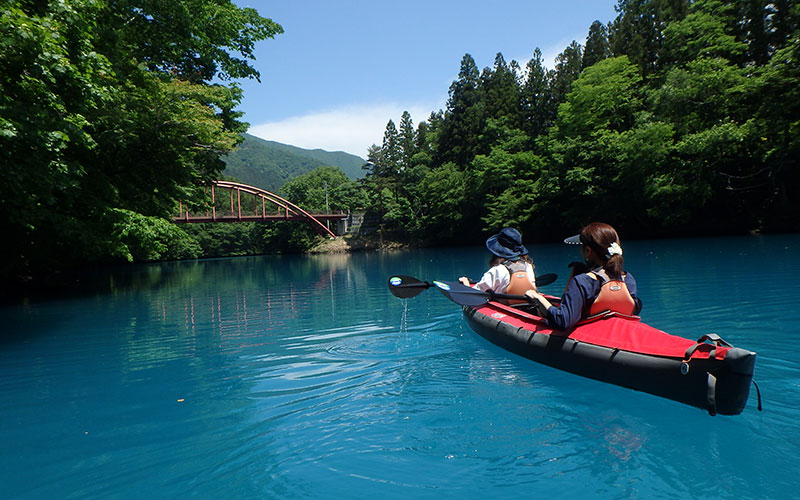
(342, 69)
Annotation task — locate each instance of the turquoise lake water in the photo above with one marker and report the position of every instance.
(303, 377)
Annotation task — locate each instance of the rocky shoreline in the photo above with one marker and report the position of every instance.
(347, 244)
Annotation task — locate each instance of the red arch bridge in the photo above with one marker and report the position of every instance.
(250, 204)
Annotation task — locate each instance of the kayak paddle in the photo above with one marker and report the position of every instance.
(468, 296)
(405, 287)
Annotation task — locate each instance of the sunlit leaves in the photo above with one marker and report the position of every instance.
(135, 237)
(606, 96)
(194, 39)
(445, 193)
(107, 107)
(325, 189)
(700, 34)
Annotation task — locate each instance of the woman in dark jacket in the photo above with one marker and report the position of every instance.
(606, 286)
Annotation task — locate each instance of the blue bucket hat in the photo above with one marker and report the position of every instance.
(506, 244)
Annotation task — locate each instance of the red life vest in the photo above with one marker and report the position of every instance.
(518, 282)
(613, 296)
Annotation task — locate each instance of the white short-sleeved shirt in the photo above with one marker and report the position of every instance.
(497, 278)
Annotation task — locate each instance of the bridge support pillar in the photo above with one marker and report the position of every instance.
(340, 227)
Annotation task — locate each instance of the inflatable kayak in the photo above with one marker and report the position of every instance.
(709, 373)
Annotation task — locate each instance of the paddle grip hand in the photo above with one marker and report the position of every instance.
(541, 302)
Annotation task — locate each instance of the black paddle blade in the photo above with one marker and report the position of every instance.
(405, 287)
(545, 279)
(461, 294)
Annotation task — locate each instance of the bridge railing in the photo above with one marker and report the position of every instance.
(231, 207)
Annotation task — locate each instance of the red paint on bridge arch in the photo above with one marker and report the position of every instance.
(290, 210)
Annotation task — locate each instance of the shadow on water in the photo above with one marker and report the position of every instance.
(135, 288)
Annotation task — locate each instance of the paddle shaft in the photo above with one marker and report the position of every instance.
(405, 287)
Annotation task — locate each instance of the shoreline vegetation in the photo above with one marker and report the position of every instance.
(674, 119)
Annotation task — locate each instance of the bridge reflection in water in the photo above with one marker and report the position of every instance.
(233, 209)
(238, 300)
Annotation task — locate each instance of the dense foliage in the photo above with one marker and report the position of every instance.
(109, 114)
(677, 118)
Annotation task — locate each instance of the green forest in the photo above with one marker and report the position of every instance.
(676, 118)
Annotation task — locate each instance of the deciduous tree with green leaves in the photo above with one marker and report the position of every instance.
(108, 116)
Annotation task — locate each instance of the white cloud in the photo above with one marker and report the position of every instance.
(550, 53)
(351, 129)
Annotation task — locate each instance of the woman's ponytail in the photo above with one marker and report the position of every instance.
(613, 267)
(605, 242)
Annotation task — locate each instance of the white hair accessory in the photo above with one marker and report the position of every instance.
(614, 249)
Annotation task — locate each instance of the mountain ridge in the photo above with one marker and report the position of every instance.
(269, 164)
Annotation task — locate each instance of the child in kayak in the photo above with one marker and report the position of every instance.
(605, 286)
(510, 268)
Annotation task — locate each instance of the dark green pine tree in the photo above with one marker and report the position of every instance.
(407, 141)
(783, 23)
(596, 48)
(428, 135)
(638, 29)
(753, 29)
(764, 26)
(501, 91)
(516, 70)
(538, 109)
(391, 151)
(421, 144)
(374, 183)
(568, 68)
(463, 119)
(374, 166)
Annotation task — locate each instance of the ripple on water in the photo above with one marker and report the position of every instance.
(287, 378)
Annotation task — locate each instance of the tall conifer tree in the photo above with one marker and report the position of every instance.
(391, 151)
(463, 120)
(407, 140)
(502, 92)
(638, 29)
(538, 110)
(568, 68)
(596, 48)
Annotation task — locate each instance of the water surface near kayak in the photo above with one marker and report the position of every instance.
(303, 377)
